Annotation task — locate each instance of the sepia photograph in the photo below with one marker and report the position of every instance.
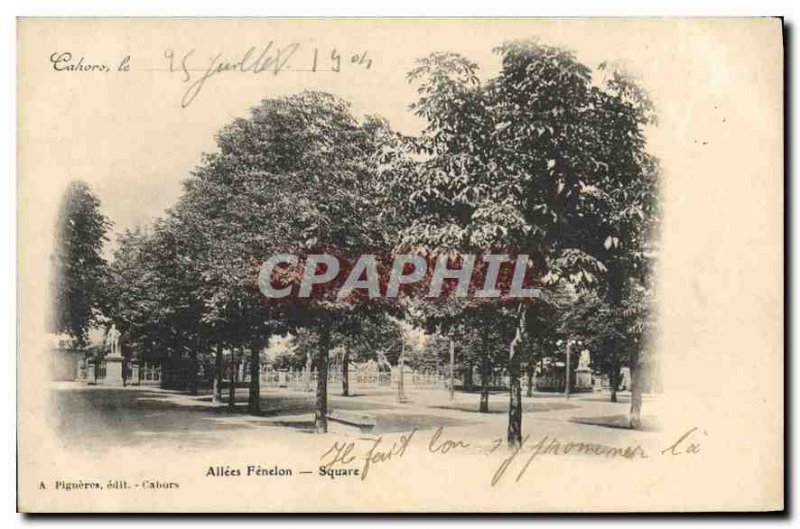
(400, 265)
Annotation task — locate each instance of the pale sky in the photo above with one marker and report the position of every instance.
(128, 137)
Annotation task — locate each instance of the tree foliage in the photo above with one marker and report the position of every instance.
(79, 268)
(546, 159)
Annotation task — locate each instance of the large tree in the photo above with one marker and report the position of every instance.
(79, 269)
(477, 335)
(525, 163)
(299, 176)
(154, 298)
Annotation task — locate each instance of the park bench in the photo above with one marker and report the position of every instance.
(364, 422)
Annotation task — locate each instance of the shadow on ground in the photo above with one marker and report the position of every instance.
(109, 417)
(386, 423)
(616, 421)
(502, 406)
(101, 417)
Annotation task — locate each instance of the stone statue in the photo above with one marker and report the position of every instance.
(584, 360)
(114, 360)
(112, 340)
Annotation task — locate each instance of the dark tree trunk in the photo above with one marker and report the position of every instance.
(307, 375)
(452, 369)
(568, 369)
(484, 406)
(232, 381)
(616, 281)
(515, 402)
(515, 388)
(635, 421)
(169, 373)
(321, 413)
(346, 373)
(254, 400)
(401, 364)
(613, 380)
(192, 382)
(218, 374)
(468, 377)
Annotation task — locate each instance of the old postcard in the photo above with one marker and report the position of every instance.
(400, 265)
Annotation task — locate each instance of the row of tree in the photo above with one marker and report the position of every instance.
(545, 159)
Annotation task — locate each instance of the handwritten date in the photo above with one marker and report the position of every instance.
(270, 58)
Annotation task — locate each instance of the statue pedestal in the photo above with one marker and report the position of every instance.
(583, 379)
(113, 371)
